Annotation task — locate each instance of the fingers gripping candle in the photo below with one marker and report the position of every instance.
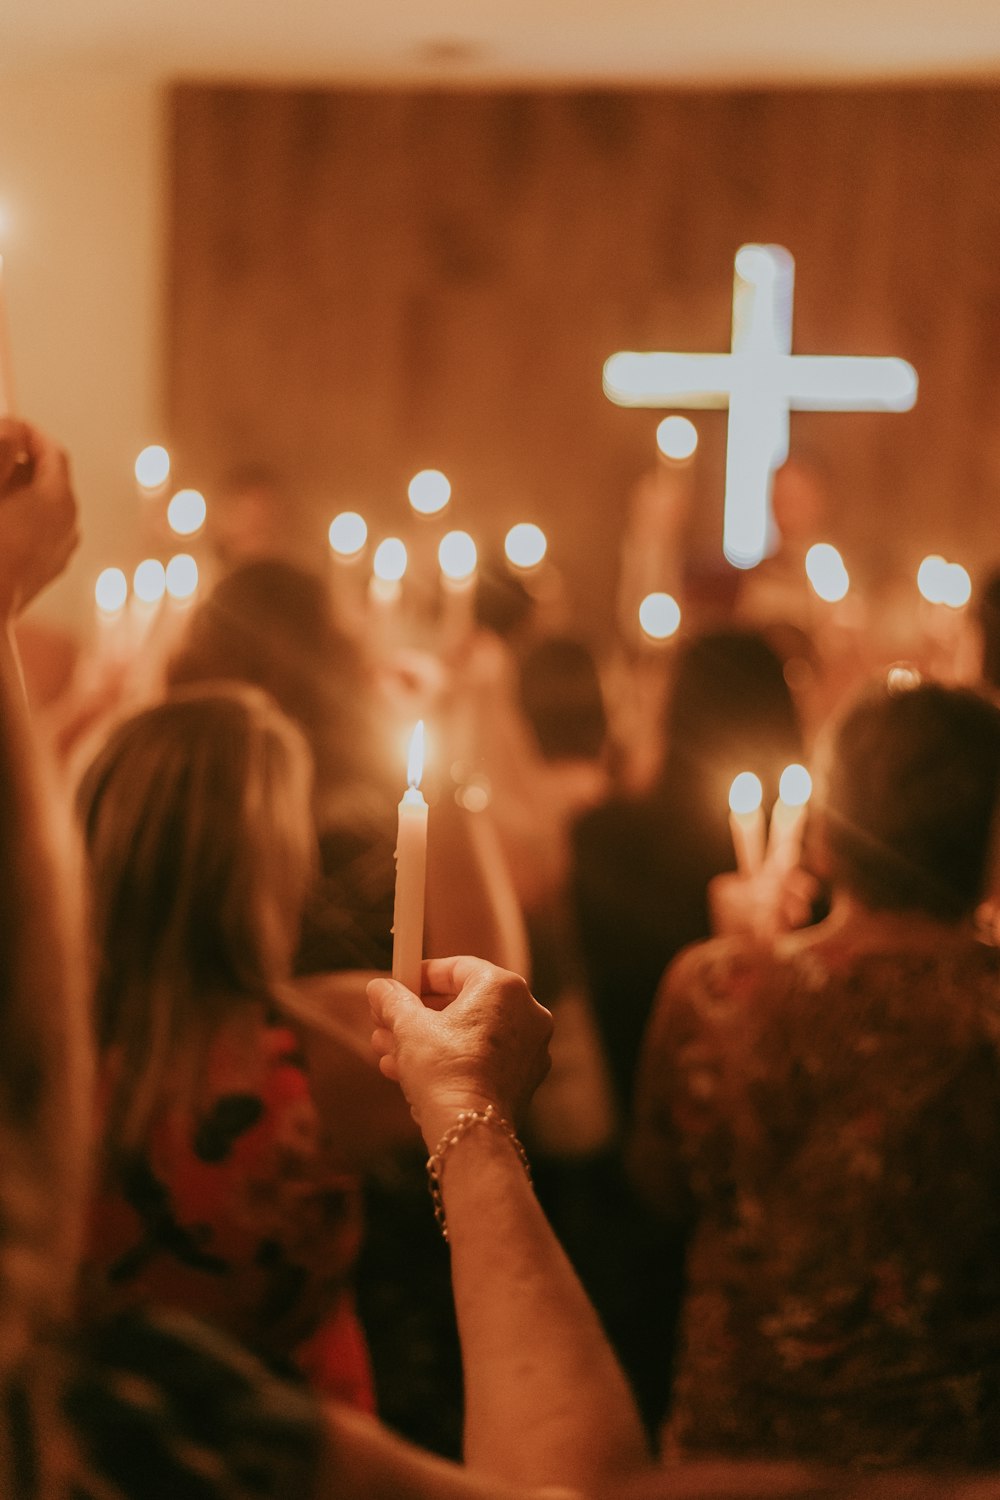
(411, 867)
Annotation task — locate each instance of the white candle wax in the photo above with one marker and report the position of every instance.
(411, 869)
(784, 843)
(746, 822)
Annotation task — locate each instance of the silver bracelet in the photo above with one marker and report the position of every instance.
(465, 1121)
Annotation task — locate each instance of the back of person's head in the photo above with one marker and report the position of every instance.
(729, 710)
(198, 827)
(988, 617)
(45, 1061)
(908, 797)
(271, 624)
(562, 699)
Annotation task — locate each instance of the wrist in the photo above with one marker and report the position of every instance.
(437, 1117)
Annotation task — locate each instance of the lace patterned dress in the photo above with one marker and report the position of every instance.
(827, 1119)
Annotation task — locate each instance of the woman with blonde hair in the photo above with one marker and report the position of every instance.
(216, 1195)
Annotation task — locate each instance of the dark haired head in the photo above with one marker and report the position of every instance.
(730, 710)
(562, 699)
(910, 796)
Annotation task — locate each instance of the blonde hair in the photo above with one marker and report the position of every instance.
(197, 823)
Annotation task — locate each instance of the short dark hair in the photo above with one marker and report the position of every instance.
(910, 797)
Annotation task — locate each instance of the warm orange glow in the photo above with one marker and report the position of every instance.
(182, 576)
(348, 533)
(457, 556)
(429, 491)
(826, 572)
(746, 793)
(152, 467)
(525, 545)
(795, 786)
(677, 438)
(415, 755)
(186, 512)
(149, 581)
(111, 591)
(389, 562)
(660, 616)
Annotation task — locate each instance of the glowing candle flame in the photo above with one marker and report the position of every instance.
(186, 512)
(826, 572)
(457, 556)
(429, 491)
(525, 545)
(182, 576)
(932, 578)
(389, 562)
(957, 587)
(348, 533)
(677, 438)
(795, 786)
(415, 756)
(111, 591)
(149, 581)
(659, 616)
(152, 467)
(746, 793)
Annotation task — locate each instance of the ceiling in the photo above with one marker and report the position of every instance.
(484, 42)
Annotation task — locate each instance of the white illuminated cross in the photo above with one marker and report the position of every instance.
(761, 381)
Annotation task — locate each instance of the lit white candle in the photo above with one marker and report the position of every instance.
(788, 818)
(746, 821)
(411, 869)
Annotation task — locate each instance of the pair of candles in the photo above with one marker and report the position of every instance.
(752, 841)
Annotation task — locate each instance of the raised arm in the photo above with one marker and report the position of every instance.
(38, 532)
(546, 1403)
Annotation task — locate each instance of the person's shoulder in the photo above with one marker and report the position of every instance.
(725, 968)
(159, 1396)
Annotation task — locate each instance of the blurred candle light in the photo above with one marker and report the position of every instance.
(788, 817)
(182, 577)
(389, 562)
(348, 534)
(677, 438)
(659, 616)
(746, 822)
(152, 467)
(957, 590)
(457, 556)
(429, 492)
(149, 581)
(902, 677)
(111, 592)
(525, 545)
(932, 576)
(186, 512)
(826, 572)
(411, 870)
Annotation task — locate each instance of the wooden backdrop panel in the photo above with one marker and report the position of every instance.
(368, 283)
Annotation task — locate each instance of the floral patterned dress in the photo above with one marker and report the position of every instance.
(828, 1122)
(232, 1214)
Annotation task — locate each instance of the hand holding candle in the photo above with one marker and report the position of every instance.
(411, 868)
(746, 820)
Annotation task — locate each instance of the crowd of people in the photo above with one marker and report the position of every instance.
(716, 1214)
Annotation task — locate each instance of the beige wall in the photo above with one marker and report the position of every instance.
(81, 201)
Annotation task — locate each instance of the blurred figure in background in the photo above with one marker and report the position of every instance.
(824, 1114)
(216, 1195)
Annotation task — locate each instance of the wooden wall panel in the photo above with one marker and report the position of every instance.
(365, 283)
